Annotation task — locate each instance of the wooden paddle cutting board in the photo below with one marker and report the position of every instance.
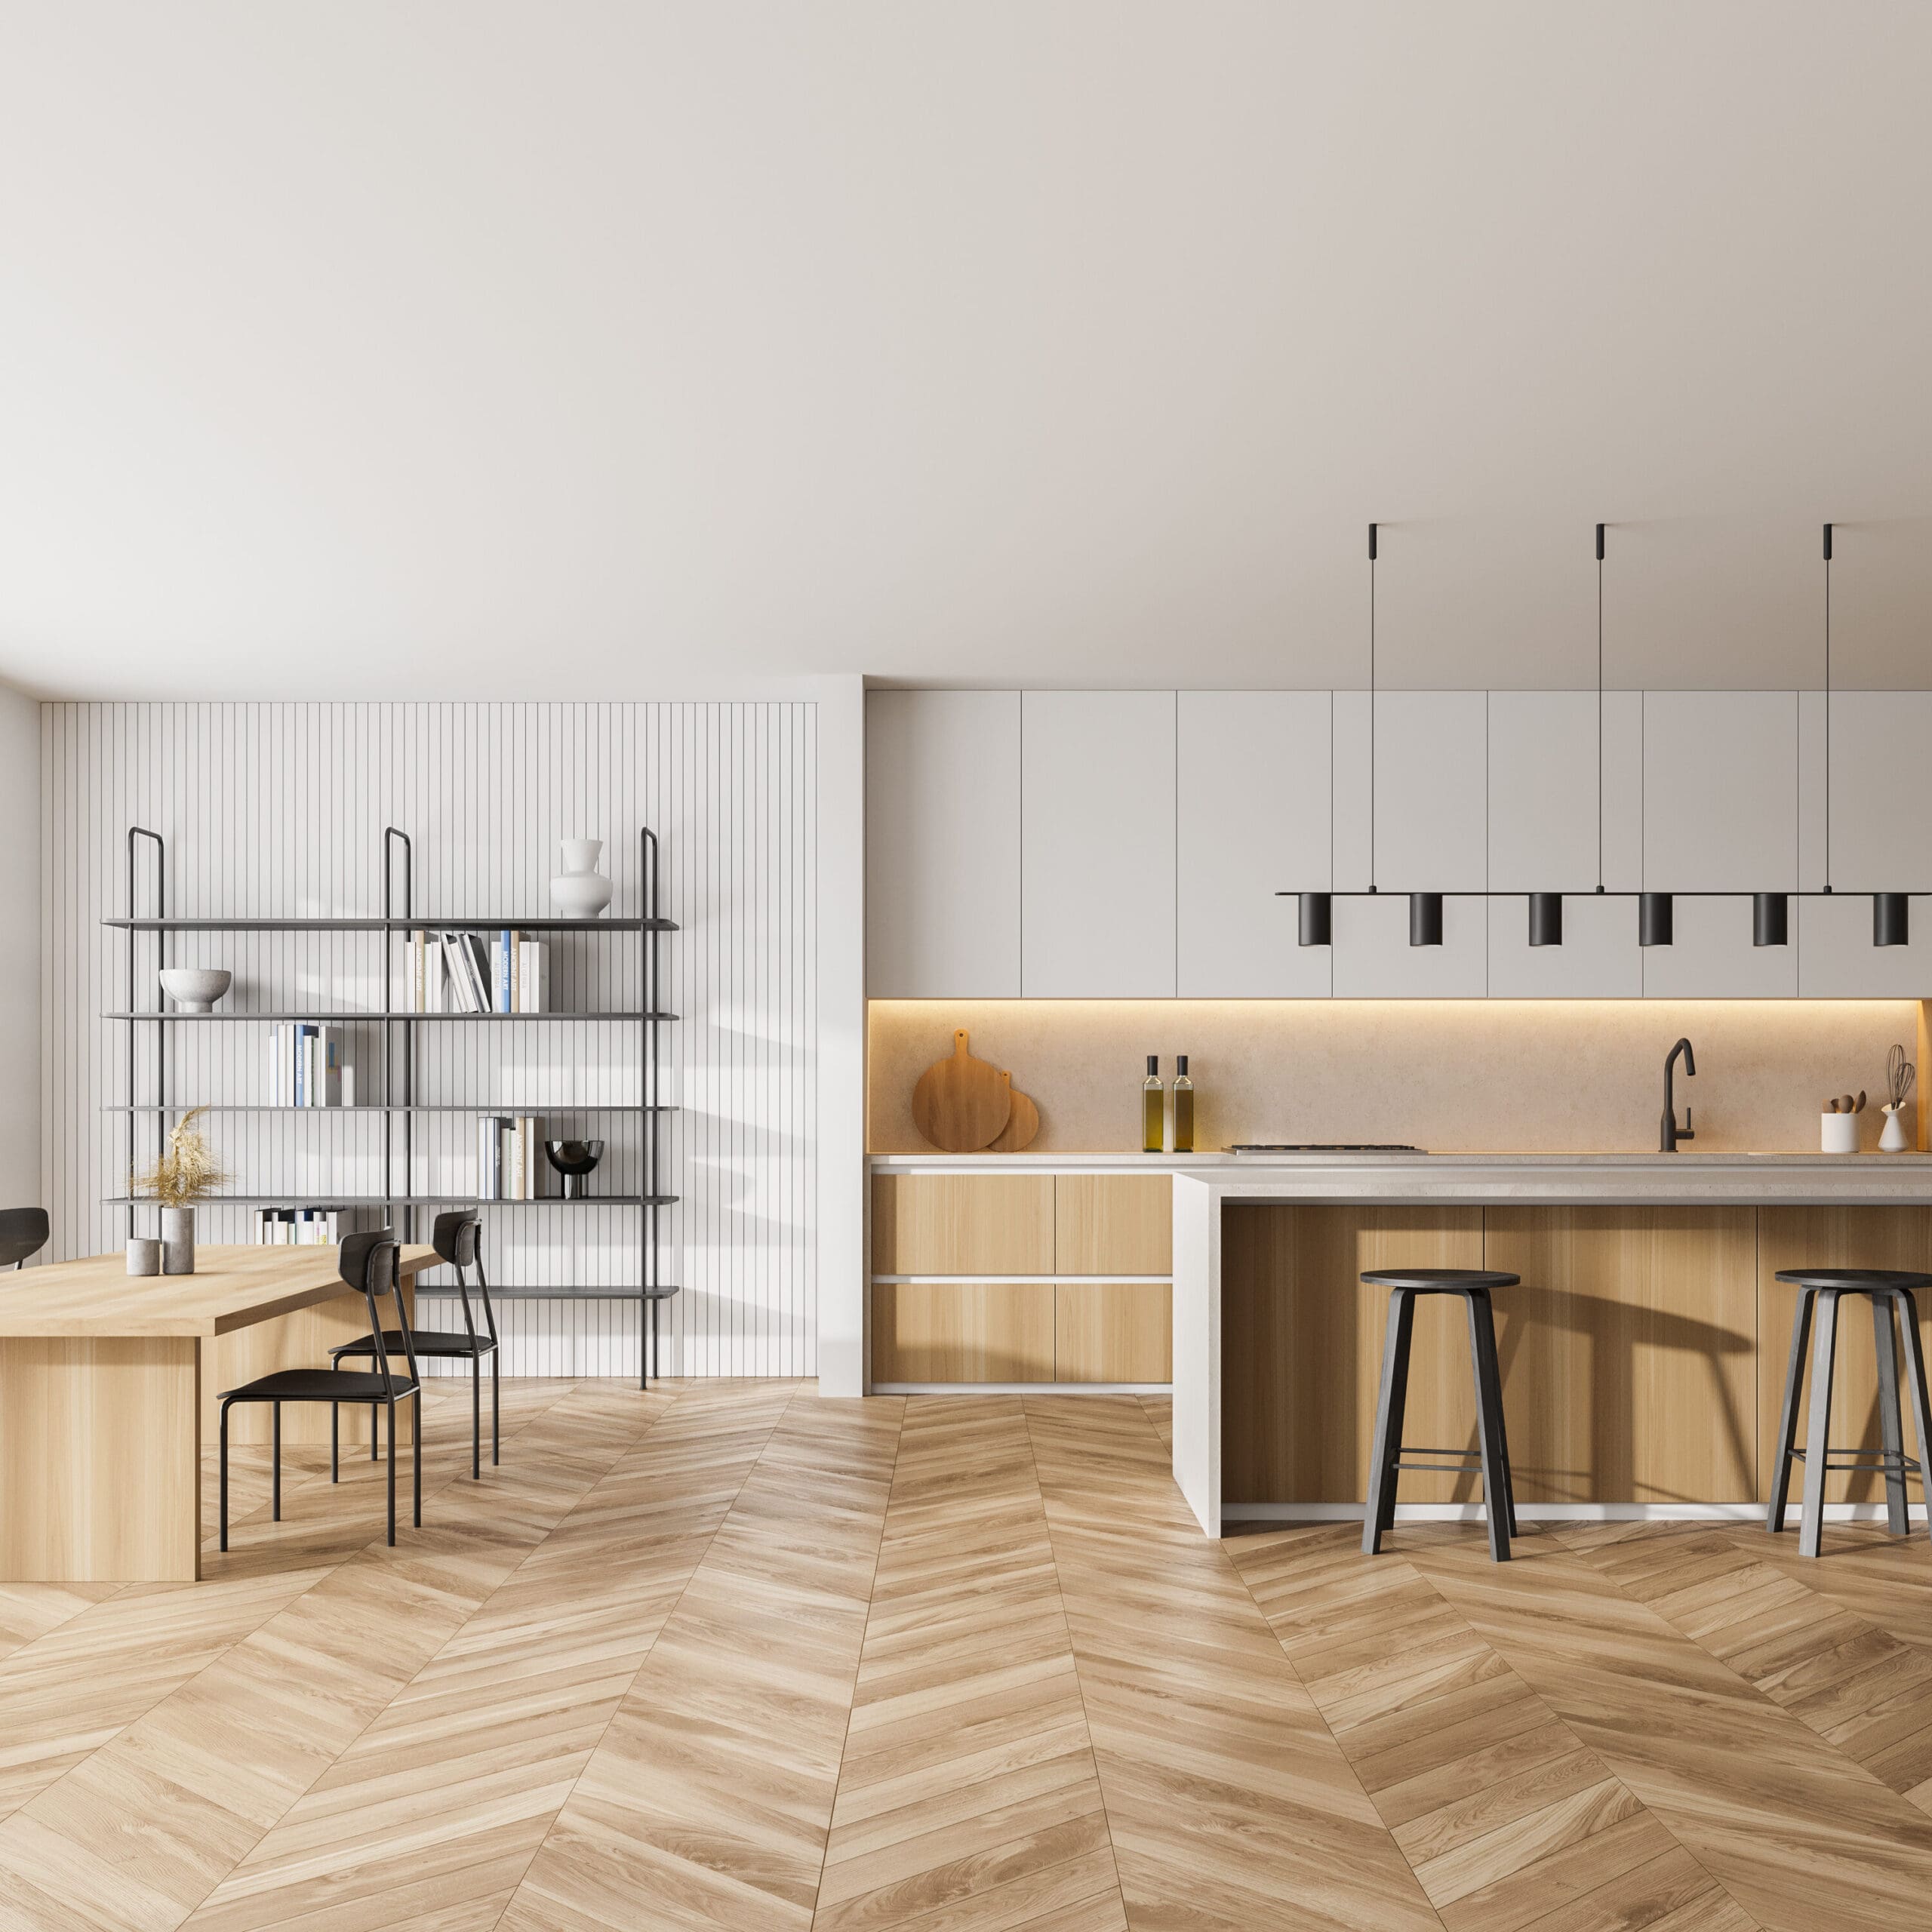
(1021, 1126)
(962, 1104)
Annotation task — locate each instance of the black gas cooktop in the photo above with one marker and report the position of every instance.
(1322, 1147)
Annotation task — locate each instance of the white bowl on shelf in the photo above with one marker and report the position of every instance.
(195, 989)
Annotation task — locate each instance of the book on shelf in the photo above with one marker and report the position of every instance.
(466, 972)
(304, 1227)
(507, 1149)
(307, 1065)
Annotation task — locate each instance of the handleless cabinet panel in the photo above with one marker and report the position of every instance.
(1373, 959)
(1113, 1331)
(962, 1224)
(1721, 791)
(1879, 741)
(1114, 1224)
(1431, 759)
(1833, 1237)
(1599, 958)
(1543, 791)
(1629, 1352)
(1712, 956)
(1836, 959)
(1254, 805)
(943, 845)
(962, 1331)
(1097, 825)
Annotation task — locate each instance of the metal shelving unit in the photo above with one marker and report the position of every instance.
(397, 1106)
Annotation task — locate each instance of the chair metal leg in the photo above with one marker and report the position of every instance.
(1915, 1382)
(415, 1455)
(1891, 1437)
(1794, 1380)
(335, 1442)
(475, 1418)
(495, 1408)
(274, 1466)
(391, 1478)
(375, 1430)
(1379, 1510)
(1495, 1484)
(1811, 1525)
(224, 1476)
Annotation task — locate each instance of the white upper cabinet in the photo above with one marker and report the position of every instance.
(1879, 741)
(1836, 959)
(1721, 791)
(1543, 824)
(1373, 959)
(1097, 828)
(943, 845)
(1431, 757)
(1253, 798)
(1712, 956)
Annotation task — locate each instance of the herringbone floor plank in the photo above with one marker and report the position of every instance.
(727, 1655)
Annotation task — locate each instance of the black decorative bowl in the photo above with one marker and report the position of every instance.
(574, 1159)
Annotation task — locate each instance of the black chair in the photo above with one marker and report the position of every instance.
(22, 1232)
(1473, 1284)
(368, 1262)
(1889, 1292)
(457, 1238)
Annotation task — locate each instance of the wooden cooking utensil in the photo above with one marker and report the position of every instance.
(962, 1104)
(1021, 1127)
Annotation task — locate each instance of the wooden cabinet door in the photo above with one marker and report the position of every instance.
(943, 845)
(962, 1224)
(1114, 1224)
(1097, 844)
(962, 1331)
(1113, 1331)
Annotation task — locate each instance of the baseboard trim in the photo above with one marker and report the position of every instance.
(1024, 1388)
(1557, 1512)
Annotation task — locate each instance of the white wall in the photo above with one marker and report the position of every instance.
(279, 809)
(19, 958)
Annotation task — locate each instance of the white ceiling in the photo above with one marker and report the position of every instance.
(570, 349)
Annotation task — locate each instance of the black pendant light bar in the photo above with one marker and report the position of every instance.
(1656, 911)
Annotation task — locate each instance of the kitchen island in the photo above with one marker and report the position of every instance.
(1643, 1355)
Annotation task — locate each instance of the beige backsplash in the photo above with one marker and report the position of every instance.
(1463, 1076)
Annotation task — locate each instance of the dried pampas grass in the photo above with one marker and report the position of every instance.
(186, 1170)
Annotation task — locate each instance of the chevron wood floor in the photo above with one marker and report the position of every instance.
(728, 1656)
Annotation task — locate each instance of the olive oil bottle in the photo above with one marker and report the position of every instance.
(1183, 1107)
(1153, 1108)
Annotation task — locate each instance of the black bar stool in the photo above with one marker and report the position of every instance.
(1473, 1284)
(457, 1238)
(1890, 1291)
(367, 1262)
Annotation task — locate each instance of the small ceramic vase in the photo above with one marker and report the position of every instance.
(580, 891)
(1894, 1139)
(177, 1241)
(1838, 1134)
(144, 1255)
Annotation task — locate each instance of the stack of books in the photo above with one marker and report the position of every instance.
(509, 1158)
(469, 972)
(306, 1067)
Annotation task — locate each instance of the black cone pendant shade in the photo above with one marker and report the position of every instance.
(1770, 918)
(1318, 919)
(1425, 919)
(1657, 919)
(1546, 918)
(1891, 919)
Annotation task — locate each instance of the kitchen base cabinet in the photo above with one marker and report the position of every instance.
(1113, 1224)
(1113, 1331)
(963, 1224)
(963, 1331)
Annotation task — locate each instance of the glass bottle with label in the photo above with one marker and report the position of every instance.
(1183, 1107)
(1153, 1108)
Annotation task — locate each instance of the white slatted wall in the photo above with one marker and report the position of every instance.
(278, 809)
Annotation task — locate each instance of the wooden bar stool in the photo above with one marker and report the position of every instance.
(1474, 1285)
(1890, 1291)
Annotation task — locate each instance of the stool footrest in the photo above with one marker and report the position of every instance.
(1885, 1459)
(1446, 1469)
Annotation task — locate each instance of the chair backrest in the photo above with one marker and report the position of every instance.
(368, 1261)
(22, 1231)
(457, 1238)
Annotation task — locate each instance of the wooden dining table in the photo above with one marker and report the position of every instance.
(109, 1392)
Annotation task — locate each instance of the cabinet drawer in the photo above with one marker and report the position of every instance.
(963, 1224)
(962, 1331)
(1114, 1224)
(1113, 1331)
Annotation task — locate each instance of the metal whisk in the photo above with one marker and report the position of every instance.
(1900, 1074)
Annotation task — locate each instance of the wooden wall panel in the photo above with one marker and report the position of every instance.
(1302, 1347)
(1113, 1331)
(962, 1224)
(1114, 1224)
(962, 1331)
(1834, 1238)
(1628, 1353)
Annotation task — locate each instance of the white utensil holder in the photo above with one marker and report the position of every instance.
(1838, 1134)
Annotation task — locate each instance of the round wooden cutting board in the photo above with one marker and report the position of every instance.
(1021, 1127)
(962, 1104)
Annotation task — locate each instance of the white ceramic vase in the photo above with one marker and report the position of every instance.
(1894, 1140)
(177, 1241)
(580, 891)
